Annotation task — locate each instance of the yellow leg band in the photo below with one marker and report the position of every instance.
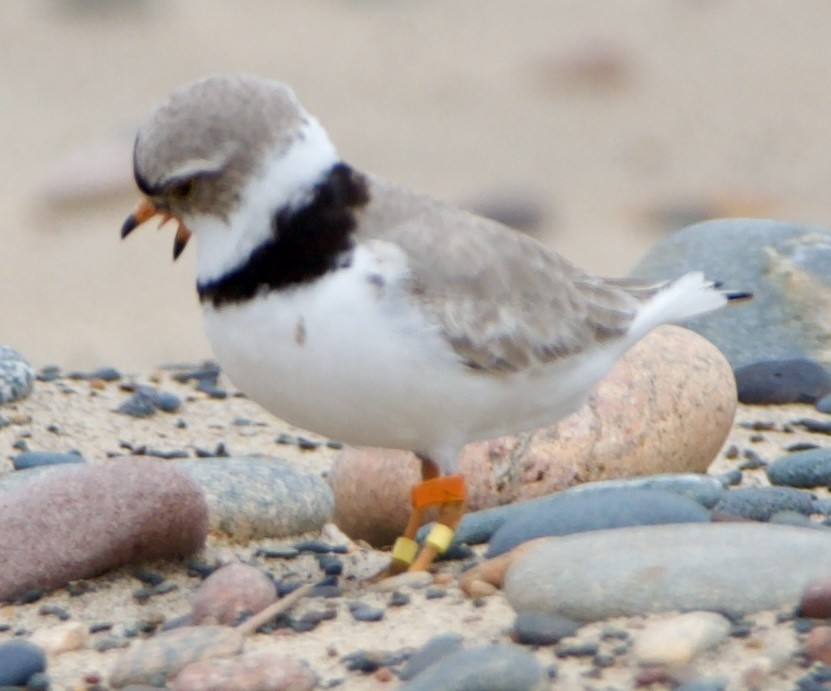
(404, 550)
(440, 537)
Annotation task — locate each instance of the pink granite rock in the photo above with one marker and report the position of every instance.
(665, 407)
(87, 519)
(231, 592)
(261, 670)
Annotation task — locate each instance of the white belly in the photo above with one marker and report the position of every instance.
(350, 359)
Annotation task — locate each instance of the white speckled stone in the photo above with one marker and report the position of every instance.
(16, 375)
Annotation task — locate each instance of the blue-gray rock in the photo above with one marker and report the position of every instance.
(823, 405)
(430, 653)
(760, 503)
(541, 628)
(361, 611)
(258, 497)
(776, 382)
(705, 684)
(35, 459)
(479, 526)
(704, 489)
(146, 401)
(19, 661)
(586, 511)
(810, 468)
(787, 267)
(736, 567)
(16, 375)
(487, 668)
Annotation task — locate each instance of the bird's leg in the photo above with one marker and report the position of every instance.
(449, 493)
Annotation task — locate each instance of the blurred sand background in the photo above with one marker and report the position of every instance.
(615, 122)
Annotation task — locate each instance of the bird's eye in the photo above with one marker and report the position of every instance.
(182, 189)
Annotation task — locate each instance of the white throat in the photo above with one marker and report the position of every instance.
(286, 180)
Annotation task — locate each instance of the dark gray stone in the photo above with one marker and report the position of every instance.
(479, 526)
(586, 511)
(36, 459)
(787, 266)
(19, 661)
(257, 497)
(775, 382)
(146, 401)
(810, 468)
(540, 628)
(760, 503)
(643, 569)
(361, 611)
(487, 668)
(704, 489)
(16, 375)
(430, 653)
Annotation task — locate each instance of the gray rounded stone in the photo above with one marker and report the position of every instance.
(760, 503)
(585, 511)
(257, 497)
(811, 468)
(487, 668)
(479, 526)
(16, 375)
(787, 267)
(736, 567)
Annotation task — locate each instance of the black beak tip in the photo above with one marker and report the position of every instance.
(178, 248)
(130, 224)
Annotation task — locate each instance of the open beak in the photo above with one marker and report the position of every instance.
(144, 211)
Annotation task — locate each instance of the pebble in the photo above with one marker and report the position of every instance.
(818, 644)
(255, 671)
(19, 661)
(107, 374)
(71, 635)
(257, 497)
(811, 468)
(677, 641)
(642, 419)
(361, 611)
(568, 513)
(760, 503)
(102, 516)
(815, 601)
(430, 653)
(16, 376)
(230, 593)
(787, 267)
(697, 566)
(539, 628)
(776, 382)
(34, 459)
(167, 653)
(486, 668)
(147, 400)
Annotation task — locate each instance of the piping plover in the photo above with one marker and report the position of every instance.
(359, 310)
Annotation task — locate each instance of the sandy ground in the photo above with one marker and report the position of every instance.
(619, 121)
(84, 421)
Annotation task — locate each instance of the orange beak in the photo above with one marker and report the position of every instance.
(144, 211)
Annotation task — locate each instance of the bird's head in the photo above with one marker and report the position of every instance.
(220, 156)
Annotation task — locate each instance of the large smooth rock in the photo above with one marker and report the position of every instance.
(787, 267)
(735, 567)
(255, 497)
(487, 668)
(666, 407)
(569, 513)
(90, 518)
(255, 671)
